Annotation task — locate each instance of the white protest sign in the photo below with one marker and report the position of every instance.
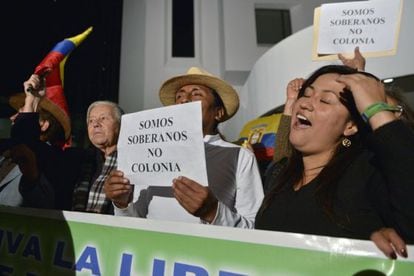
(371, 25)
(155, 146)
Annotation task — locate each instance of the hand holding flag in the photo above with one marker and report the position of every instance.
(52, 66)
(51, 74)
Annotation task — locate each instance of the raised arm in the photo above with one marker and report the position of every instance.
(392, 144)
(357, 62)
(34, 187)
(282, 135)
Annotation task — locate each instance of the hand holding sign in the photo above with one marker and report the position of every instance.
(155, 146)
(118, 189)
(195, 198)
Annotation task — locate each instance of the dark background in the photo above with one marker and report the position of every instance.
(31, 28)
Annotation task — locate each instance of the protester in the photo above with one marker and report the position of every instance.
(341, 180)
(386, 238)
(71, 179)
(234, 189)
(282, 147)
(103, 121)
(54, 128)
(394, 96)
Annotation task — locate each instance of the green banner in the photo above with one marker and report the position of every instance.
(42, 242)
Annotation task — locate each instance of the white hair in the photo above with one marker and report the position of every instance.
(116, 109)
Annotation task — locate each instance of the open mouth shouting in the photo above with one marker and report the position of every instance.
(302, 121)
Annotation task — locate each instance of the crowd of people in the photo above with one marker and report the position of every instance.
(339, 169)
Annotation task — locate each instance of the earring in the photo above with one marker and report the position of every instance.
(346, 142)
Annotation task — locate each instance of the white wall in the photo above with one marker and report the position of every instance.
(225, 45)
(146, 49)
(240, 48)
(132, 67)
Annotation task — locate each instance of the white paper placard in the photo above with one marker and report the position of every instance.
(371, 25)
(155, 146)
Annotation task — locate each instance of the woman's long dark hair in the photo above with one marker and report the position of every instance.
(293, 171)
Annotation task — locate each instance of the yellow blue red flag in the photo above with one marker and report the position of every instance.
(52, 68)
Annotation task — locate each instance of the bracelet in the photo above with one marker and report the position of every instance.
(375, 108)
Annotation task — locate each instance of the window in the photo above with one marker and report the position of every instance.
(272, 25)
(183, 28)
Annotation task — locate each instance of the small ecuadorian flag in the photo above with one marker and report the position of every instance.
(52, 68)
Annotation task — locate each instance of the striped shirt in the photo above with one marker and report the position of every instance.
(97, 201)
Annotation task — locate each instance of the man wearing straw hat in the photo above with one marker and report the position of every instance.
(234, 191)
(54, 126)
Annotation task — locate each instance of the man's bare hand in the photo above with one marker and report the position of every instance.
(357, 62)
(118, 189)
(198, 200)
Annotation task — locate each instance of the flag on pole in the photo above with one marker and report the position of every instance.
(52, 68)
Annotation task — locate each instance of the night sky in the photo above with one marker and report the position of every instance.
(30, 29)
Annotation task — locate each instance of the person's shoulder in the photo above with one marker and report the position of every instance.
(246, 152)
(242, 150)
(216, 140)
(243, 153)
(224, 143)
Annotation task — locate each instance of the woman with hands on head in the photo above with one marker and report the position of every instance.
(282, 146)
(386, 239)
(345, 177)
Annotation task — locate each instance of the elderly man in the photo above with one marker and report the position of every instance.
(103, 122)
(74, 173)
(234, 191)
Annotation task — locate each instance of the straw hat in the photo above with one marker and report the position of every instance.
(199, 76)
(52, 102)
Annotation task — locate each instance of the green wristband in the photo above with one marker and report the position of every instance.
(375, 108)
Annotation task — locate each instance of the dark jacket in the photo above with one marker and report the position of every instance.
(60, 170)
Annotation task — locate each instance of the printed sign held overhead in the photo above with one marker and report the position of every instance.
(372, 25)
